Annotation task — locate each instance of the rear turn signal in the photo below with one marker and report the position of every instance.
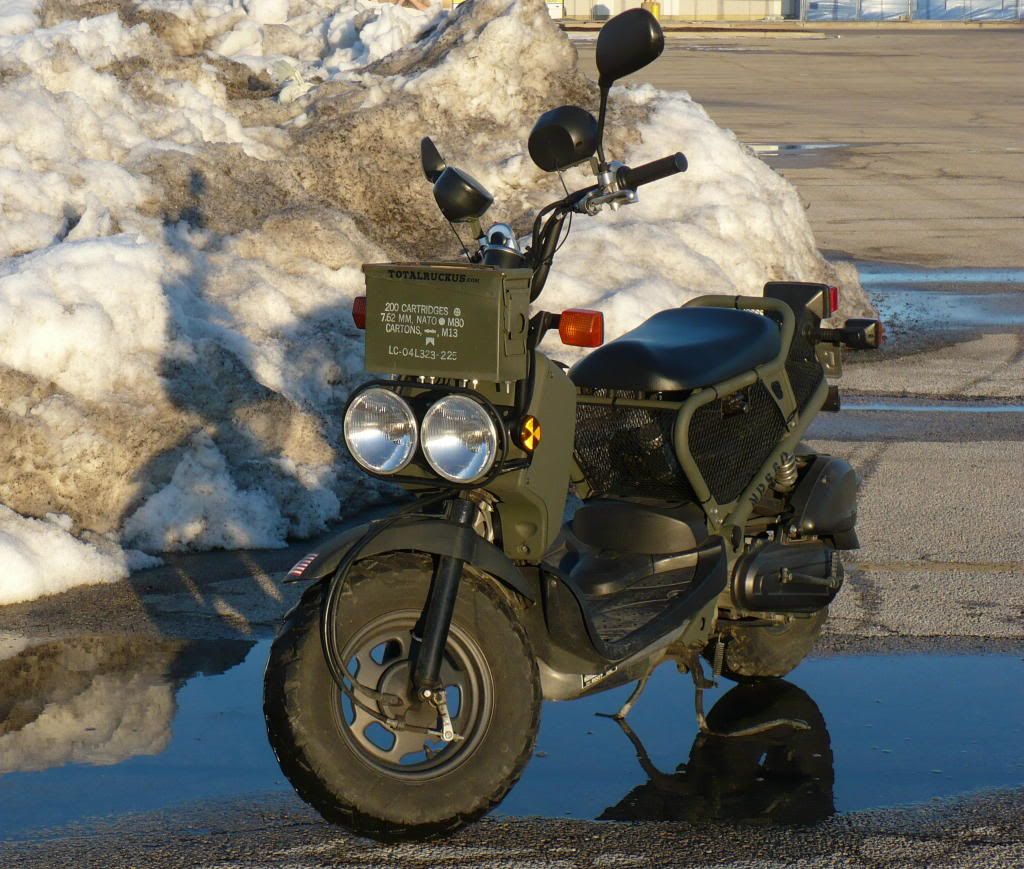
(579, 327)
(359, 312)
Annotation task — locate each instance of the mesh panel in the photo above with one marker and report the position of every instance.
(729, 450)
(803, 369)
(627, 451)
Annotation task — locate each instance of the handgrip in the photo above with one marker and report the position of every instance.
(630, 179)
(856, 333)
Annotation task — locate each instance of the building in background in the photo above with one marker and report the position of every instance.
(809, 10)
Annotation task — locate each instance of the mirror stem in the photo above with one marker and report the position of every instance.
(600, 128)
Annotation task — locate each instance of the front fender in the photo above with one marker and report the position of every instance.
(416, 534)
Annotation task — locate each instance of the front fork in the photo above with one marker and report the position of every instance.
(432, 629)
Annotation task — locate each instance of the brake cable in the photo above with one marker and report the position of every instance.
(328, 636)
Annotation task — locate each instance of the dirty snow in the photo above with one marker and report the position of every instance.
(40, 556)
(187, 191)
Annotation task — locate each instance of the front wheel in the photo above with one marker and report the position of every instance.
(766, 651)
(402, 783)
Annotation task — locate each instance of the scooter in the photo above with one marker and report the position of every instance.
(403, 693)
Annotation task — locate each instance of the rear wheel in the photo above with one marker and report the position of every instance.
(401, 782)
(766, 651)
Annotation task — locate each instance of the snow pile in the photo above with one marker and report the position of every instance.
(17, 16)
(39, 557)
(187, 191)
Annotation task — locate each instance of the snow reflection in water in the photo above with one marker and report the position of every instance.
(102, 725)
(93, 727)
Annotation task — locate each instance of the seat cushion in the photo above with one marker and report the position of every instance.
(681, 349)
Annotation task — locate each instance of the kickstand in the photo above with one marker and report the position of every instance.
(700, 683)
(627, 707)
(665, 782)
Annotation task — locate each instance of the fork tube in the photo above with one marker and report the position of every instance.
(437, 617)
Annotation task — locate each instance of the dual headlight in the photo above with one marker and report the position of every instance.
(458, 436)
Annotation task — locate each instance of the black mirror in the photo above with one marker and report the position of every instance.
(431, 160)
(562, 138)
(626, 43)
(460, 196)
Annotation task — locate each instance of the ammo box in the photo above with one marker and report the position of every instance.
(449, 320)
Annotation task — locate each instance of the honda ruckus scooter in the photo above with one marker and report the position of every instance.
(403, 693)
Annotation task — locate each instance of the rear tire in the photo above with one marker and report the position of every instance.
(768, 651)
(331, 755)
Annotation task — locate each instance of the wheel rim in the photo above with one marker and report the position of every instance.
(377, 656)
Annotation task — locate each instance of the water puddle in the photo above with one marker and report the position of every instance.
(940, 311)
(793, 149)
(883, 275)
(937, 407)
(915, 302)
(893, 730)
(101, 726)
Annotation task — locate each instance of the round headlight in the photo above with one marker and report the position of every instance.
(459, 439)
(380, 431)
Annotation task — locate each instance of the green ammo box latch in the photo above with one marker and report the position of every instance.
(460, 322)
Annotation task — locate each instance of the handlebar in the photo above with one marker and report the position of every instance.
(630, 179)
(547, 227)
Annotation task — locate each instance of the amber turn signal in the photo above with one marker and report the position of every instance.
(529, 433)
(359, 312)
(579, 327)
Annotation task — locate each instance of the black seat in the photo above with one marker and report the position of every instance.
(681, 349)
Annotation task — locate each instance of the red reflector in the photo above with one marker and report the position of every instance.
(833, 300)
(579, 327)
(359, 312)
(301, 567)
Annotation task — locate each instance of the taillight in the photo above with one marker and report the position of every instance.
(359, 312)
(833, 300)
(579, 327)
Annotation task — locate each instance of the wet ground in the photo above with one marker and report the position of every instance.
(115, 726)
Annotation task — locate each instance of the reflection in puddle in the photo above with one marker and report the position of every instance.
(93, 700)
(904, 729)
(101, 726)
(782, 775)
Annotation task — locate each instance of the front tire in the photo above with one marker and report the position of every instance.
(401, 784)
(766, 651)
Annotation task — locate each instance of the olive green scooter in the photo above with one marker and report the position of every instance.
(403, 693)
